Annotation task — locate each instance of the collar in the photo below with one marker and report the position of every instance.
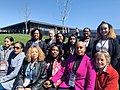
(107, 69)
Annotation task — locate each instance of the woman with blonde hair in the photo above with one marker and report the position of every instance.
(33, 71)
(106, 40)
(106, 75)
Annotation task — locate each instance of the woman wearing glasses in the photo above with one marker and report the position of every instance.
(33, 71)
(15, 61)
(78, 71)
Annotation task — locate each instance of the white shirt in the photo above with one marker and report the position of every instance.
(102, 45)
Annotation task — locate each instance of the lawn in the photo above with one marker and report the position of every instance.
(17, 37)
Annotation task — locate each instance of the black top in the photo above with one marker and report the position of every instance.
(77, 63)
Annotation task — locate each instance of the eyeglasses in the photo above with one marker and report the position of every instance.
(79, 47)
(17, 47)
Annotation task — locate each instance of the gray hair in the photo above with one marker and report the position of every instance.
(105, 53)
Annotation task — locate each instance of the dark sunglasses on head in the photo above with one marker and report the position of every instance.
(17, 47)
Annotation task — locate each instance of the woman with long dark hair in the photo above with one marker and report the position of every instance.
(54, 63)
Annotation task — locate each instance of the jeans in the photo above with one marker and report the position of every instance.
(1, 87)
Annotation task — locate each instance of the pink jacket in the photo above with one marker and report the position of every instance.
(85, 74)
(55, 68)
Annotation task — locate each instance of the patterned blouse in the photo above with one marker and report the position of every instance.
(55, 68)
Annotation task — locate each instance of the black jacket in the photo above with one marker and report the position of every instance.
(38, 78)
(89, 48)
(114, 50)
(42, 45)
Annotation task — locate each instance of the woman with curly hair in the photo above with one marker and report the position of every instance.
(36, 40)
(33, 71)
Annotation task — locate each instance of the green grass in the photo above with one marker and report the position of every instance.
(20, 37)
(17, 37)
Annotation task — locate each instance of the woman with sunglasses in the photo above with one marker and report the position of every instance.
(33, 71)
(15, 61)
(78, 71)
(5, 51)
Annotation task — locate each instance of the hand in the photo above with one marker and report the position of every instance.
(20, 89)
(47, 84)
(27, 89)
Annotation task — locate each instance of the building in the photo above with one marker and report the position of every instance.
(31, 24)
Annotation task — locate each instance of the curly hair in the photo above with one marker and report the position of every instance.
(105, 53)
(111, 33)
(40, 32)
(41, 55)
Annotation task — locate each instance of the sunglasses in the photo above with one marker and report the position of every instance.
(79, 47)
(16, 47)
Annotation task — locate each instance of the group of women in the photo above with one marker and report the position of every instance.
(64, 66)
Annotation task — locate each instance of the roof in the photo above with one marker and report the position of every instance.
(41, 24)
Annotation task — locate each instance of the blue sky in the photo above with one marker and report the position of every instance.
(83, 13)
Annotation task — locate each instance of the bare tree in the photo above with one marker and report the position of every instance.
(27, 13)
(65, 6)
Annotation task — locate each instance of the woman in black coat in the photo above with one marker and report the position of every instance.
(106, 40)
(33, 71)
(70, 47)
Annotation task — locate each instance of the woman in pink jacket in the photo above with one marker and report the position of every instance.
(78, 73)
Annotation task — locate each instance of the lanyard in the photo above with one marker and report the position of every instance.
(102, 45)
